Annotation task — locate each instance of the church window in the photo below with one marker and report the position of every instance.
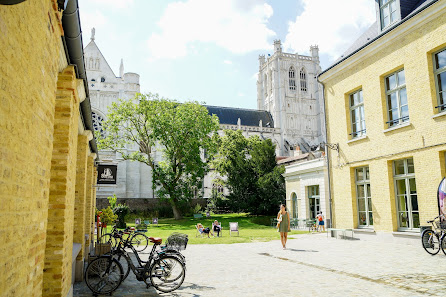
(303, 80)
(102, 79)
(292, 79)
(97, 124)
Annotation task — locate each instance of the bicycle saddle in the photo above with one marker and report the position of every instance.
(156, 240)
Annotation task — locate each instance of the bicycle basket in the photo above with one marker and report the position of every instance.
(177, 241)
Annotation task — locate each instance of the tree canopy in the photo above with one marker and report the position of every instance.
(181, 131)
(249, 166)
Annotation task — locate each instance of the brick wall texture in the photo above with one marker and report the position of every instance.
(39, 110)
(423, 140)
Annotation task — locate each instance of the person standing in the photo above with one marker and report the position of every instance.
(284, 227)
(321, 222)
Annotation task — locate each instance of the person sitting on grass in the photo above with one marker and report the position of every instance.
(201, 229)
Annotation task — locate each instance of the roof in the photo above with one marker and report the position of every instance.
(373, 32)
(248, 117)
(303, 157)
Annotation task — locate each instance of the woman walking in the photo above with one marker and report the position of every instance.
(284, 219)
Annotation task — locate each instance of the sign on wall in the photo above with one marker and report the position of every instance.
(107, 174)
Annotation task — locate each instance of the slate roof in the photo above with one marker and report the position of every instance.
(373, 32)
(248, 117)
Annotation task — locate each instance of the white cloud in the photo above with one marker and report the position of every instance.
(227, 24)
(332, 25)
(115, 4)
(240, 94)
(91, 20)
(228, 62)
(255, 76)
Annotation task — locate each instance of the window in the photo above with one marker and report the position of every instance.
(406, 194)
(265, 85)
(357, 114)
(363, 197)
(292, 79)
(102, 79)
(303, 80)
(314, 201)
(217, 189)
(440, 79)
(388, 12)
(295, 206)
(396, 97)
(97, 124)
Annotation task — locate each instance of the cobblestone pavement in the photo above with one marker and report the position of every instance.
(313, 265)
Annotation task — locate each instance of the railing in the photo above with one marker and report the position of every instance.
(359, 132)
(397, 121)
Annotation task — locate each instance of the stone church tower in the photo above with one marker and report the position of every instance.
(288, 89)
(134, 178)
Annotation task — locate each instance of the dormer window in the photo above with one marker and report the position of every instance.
(388, 12)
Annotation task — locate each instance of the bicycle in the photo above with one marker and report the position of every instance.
(137, 239)
(165, 271)
(431, 238)
(174, 243)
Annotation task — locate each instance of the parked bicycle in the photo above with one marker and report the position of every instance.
(139, 240)
(433, 239)
(164, 270)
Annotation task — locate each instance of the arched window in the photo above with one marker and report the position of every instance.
(97, 123)
(303, 80)
(292, 79)
(295, 206)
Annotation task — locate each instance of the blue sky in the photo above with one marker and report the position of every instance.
(207, 50)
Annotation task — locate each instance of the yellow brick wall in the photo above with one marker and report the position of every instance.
(90, 197)
(81, 188)
(29, 63)
(424, 139)
(59, 244)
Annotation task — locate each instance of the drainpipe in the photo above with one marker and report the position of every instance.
(326, 153)
(74, 51)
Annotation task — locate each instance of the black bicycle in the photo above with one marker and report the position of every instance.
(432, 239)
(165, 271)
(139, 240)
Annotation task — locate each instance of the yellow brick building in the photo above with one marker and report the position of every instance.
(47, 150)
(386, 112)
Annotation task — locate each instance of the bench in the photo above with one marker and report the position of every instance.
(340, 230)
(198, 215)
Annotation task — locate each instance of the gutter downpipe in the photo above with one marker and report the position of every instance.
(326, 153)
(72, 41)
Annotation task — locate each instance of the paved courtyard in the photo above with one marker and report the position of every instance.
(313, 265)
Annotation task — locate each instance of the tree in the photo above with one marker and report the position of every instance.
(249, 165)
(182, 131)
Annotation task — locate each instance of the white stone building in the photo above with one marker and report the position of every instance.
(299, 121)
(134, 178)
(288, 89)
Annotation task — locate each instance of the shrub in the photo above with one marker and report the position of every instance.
(121, 210)
(197, 208)
(107, 216)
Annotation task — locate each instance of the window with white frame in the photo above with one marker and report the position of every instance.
(406, 194)
(357, 118)
(440, 79)
(314, 201)
(396, 97)
(364, 197)
(292, 79)
(303, 80)
(388, 12)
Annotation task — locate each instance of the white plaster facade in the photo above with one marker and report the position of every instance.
(300, 177)
(288, 89)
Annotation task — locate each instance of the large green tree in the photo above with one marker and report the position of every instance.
(251, 174)
(182, 131)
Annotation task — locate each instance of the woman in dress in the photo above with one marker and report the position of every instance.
(284, 219)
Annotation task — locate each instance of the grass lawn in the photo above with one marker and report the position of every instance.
(252, 229)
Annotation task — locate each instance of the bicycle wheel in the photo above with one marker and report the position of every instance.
(167, 274)
(103, 275)
(108, 238)
(430, 241)
(139, 241)
(443, 243)
(125, 266)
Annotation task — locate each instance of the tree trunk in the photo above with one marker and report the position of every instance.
(176, 212)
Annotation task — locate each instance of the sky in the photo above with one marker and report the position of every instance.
(207, 50)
